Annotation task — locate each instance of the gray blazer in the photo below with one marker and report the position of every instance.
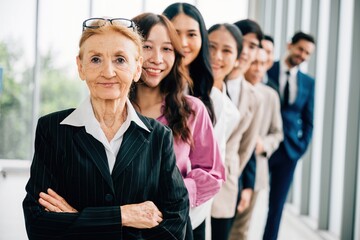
(271, 133)
(74, 164)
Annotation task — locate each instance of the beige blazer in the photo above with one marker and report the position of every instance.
(271, 133)
(239, 148)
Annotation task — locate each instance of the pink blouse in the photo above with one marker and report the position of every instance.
(201, 165)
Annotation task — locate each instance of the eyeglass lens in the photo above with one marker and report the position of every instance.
(100, 22)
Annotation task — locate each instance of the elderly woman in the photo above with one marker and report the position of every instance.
(103, 171)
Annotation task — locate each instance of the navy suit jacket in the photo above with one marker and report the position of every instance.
(298, 116)
(247, 177)
(74, 164)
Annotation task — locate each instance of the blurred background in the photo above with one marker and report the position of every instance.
(38, 75)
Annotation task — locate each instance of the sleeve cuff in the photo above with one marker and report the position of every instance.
(191, 187)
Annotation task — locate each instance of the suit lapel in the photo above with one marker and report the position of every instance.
(276, 79)
(300, 86)
(96, 153)
(133, 143)
(243, 99)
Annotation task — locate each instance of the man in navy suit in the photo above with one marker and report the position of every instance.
(296, 90)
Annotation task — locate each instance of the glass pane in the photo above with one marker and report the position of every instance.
(228, 11)
(59, 87)
(116, 8)
(16, 60)
(158, 7)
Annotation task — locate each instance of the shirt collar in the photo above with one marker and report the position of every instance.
(84, 116)
(283, 68)
(238, 79)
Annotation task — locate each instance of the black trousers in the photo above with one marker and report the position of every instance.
(281, 169)
(220, 228)
(199, 232)
(189, 231)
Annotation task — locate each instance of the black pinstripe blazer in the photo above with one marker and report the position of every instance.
(74, 164)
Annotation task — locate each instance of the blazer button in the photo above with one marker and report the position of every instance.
(109, 197)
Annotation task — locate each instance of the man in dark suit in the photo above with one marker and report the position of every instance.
(267, 43)
(296, 90)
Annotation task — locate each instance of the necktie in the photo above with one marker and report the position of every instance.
(286, 90)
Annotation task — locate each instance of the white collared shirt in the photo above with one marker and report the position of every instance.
(83, 116)
(227, 117)
(234, 89)
(292, 81)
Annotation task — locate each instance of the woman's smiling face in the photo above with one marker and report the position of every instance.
(223, 53)
(159, 56)
(188, 30)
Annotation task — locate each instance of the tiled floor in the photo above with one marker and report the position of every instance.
(292, 227)
(12, 221)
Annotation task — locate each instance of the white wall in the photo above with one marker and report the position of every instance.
(322, 56)
(357, 206)
(13, 178)
(341, 107)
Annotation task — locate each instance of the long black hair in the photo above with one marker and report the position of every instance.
(200, 69)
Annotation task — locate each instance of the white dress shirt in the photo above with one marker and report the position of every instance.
(292, 81)
(83, 116)
(234, 89)
(227, 117)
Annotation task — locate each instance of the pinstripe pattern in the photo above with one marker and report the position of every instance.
(74, 164)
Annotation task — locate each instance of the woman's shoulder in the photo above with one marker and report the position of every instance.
(57, 116)
(195, 103)
(51, 121)
(151, 123)
(199, 111)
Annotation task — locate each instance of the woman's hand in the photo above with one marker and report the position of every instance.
(142, 215)
(244, 203)
(259, 148)
(54, 202)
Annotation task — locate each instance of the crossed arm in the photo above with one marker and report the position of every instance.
(77, 208)
(142, 215)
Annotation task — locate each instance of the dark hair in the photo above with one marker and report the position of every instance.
(302, 36)
(247, 26)
(268, 38)
(234, 31)
(200, 69)
(176, 110)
